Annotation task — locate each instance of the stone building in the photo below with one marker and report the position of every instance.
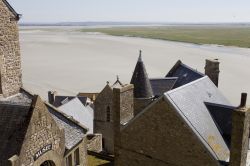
(103, 115)
(10, 59)
(191, 123)
(33, 132)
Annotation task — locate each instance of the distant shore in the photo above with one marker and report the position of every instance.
(70, 61)
(226, 35)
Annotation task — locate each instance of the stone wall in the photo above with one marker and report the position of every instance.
(240, 137)
(101, 125)
(42, 131)
(140, 104)
(10, 58)
(158, 136)
(94, 142)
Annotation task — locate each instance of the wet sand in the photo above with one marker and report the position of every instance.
(70, 62)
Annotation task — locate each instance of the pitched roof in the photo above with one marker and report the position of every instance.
(17, 16)
(184, 73)
(162, 85)
(60, 100)
(188, 101)
(83, 114)
(222, 116)
(142, 86)
(14, 120)
(74, 132)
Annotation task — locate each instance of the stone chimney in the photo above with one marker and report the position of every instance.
(212, 70)
(51, 96)
(123, 109)
(240, 134)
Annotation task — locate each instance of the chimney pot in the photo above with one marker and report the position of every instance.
(243, 100)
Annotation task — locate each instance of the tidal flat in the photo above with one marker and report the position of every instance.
(70, 61)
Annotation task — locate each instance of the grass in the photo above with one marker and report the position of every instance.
(95, 161)
(222, 35)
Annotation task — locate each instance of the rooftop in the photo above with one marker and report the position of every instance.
(184, 73)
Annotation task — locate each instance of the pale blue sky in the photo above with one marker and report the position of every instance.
(133, 10)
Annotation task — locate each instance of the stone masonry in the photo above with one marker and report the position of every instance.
(159, 137)
(42, 131)
(10, 59)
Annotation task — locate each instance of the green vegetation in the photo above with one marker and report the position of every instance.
(221, 35)
(95, 161)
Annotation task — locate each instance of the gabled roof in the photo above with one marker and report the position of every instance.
(117, 84)
(60, 100)
(222, 115)
(14, 120)
(184, 73)
(17, 16)
(142, 86)
(83, 114)
(74, 131)
(162, 85)
(189, 102)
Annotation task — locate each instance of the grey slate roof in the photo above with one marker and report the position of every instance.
(14, 120)
(73, 132)
(184, 73)
(188, 101)
(162, 85)
(222, 115)
(60, 100)
(18, 99)
(17, 16)
(142, 86)
(83, 114)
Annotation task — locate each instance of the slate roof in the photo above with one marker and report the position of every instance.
(189, 102)
(162, 85)
(17, 16)
(142, 86)
(83, 114)
(184, 73)
(60, 100)
(222, 115)
(74, 133)
(18, 99)
(14, 120)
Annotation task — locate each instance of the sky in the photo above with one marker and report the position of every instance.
(169, 11)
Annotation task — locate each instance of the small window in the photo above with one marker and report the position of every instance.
(77, 157)
(108, 114)
(69, 160)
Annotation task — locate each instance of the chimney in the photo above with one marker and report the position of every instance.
(243, 101)
(51, 96)
(123, 111)
(212, 70)
(239, 137)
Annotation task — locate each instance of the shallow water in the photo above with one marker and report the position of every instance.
(70, 62)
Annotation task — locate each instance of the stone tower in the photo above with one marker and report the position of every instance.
(103, 115)
(212, 70)
(123, 109)
(10, 58)
(143, 92)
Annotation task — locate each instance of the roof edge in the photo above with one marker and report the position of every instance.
(66, 116)
(58, 111)
(168, 99)
(17, 16)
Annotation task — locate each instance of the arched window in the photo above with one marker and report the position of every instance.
(108, 114)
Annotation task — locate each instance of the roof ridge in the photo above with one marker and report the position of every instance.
(70, 118)
(188, 84)
(190, 68)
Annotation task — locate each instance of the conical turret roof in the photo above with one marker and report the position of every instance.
(142, 86)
